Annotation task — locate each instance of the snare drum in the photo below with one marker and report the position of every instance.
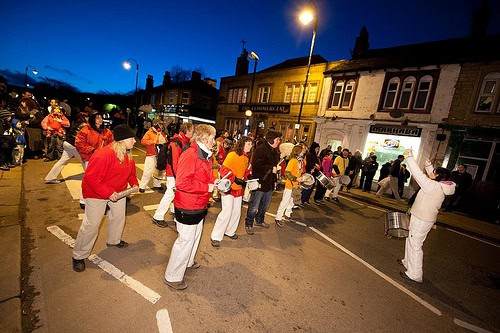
(307, 181)
(325, 181)
(223, 185)
(397, 224)
(253, 184)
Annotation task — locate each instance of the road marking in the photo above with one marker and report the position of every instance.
(74, 186)
(163, 321)
(379, 273)
(151, 207)
(478, 239)
(109, 268)
(468, 326)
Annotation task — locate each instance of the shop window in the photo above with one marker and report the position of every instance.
(264, 94)
(489, 95)
(407, 92)
(390, 95)
(475, 148)
(423, 91)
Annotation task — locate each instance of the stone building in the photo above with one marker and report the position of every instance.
(273, 96)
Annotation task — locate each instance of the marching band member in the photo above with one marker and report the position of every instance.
(194, 182)
(153, 137)
(110, 170)
(433, 189)
(236, 163)
(293, 173)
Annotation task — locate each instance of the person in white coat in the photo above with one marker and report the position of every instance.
(433, 188)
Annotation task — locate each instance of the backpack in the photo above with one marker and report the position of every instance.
(164, 153)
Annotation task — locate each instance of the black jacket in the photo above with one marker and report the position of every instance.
(265, 158)
(463, 181)
(312, 159)
(395, 168)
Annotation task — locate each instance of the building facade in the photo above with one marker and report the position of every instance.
(273, 96)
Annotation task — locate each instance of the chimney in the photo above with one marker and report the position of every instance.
(242, 63)
(149, 82)
(195, 76)
(166, 78)
(361, 45)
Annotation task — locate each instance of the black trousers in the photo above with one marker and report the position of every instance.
(367, 185)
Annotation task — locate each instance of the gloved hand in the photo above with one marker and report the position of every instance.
(239, 181)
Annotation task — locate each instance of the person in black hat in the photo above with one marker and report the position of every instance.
(111, 170)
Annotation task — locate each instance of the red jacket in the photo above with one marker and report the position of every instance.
(150, 139)
(87, 140)
(53, 126)
(105, 174)
(192, 179)
(171, 170)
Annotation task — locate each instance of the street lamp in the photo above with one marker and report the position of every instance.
(33, 70)
(306, 17)
(127, 66)
(248, 114)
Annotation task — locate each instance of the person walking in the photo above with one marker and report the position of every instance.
(194, 183)
(179, 143)
(313, 165)
(370, 170)
(110, 170)
(393, 179)
(54, 126)
(293, 173)
(69, 151)
(154, 136)
(433, 189)
(264, 166)
(339, 164)
(236, 163)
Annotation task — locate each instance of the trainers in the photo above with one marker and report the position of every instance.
(120, 245)
(235, 236)
(195, 265)
(4, 167)
(160, 223)
(215, 243)
(54, 181)
(78, 265)
(279, 223)
(249, 230)
(262, 225)
(407, 278)
(180, 285)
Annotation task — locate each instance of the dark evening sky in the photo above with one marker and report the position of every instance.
(85, 42)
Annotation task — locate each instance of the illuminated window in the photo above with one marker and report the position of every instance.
(337, 94)
(348, 94)
(264, 94)
(423, 92)
(489, 95)
(311, 92)
(407, 92)
(293, 92)
(237, 95)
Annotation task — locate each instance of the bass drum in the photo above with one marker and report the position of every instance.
(307, 181)
(325, 181)
(397, 224)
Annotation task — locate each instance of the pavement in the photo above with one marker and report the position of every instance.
(12, 224)
(452, 220)
(10, 247)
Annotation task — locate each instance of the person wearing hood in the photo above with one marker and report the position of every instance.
(433, 189)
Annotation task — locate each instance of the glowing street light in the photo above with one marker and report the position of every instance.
(33, 70)
(127, 66)
(306, 16)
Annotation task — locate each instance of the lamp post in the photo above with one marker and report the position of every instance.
(127, 66)
(33, 70)
(306, 17)
(248, 113)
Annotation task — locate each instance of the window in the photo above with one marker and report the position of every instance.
(237, 95)
(185, 97)
(293, 92)
(172, 97)
(407, 92)
(348, 93)
(424, 88)
(489, 95)
(264, 94)
(390, 94)
(337, 94)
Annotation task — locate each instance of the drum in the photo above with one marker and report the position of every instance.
(345, 180)
(253, 184)
(307, 181)
(325, 181)
(223, 185)
(397, 224)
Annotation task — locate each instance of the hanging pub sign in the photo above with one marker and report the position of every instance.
(396, 130)
(267, 108)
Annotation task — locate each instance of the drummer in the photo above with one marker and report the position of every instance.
(234, 168)
(293, 173)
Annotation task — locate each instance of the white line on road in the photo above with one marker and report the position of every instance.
(379, 273)
(109, 268)
(163, 321)
(470, 327)
(150, 207)
(478, 239)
